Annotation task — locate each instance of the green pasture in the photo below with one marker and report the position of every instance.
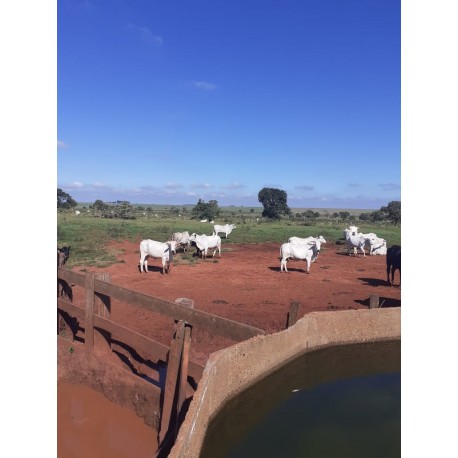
(89, 236)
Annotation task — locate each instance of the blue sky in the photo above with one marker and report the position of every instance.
(171, 101)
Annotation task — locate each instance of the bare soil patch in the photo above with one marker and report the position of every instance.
(245, 284)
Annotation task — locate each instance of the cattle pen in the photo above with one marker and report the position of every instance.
(93, 326)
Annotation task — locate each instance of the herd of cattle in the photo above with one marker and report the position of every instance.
(305, 249)
(166, 250)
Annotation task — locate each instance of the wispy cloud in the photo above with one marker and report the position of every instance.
(176, 194)
(61, 144)
(172, 186)
(75, 185)
(146, 34)
(354, 185)
(304, 187)
(201, 186)
(204, 85)
(234, 185)
(389, 187)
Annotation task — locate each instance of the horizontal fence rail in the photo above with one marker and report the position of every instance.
(95, 315)
(152, 348)
(212, 323)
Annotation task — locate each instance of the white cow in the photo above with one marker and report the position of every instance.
(77, 213)
(378, 246)
(227, 229)
(205, 242)
(158, 250)
(182, 239)
(303, 241)
(350, 230)
(357, 242)
(299, 252)
(373, 242)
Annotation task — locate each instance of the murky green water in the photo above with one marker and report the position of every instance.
(336, 402)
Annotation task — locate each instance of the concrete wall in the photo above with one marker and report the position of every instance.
(230, 371)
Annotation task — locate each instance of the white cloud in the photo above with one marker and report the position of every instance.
(304, 187)
(146, 34)
(390, 187)
(203, 85)
(172, 186)
(201, 186)
(61, 144)
(234, 185)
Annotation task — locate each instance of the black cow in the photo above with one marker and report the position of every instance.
(62, 255)
(393, 262)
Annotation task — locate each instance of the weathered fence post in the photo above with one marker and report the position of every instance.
(185, 358)
(89, 311)
(173, 368)
(64, 291)
(176, 378)
(183, 374)
(292, 314)
(102, 307)
(373, 302)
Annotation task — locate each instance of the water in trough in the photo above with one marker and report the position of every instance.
(339, 401)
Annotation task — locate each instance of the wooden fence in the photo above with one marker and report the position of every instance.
(99, 329)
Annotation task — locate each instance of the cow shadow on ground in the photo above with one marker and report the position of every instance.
(152, 269)
(374, 281)
(385, 302)
(290, 269)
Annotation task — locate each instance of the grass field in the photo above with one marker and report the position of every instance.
(233, 210)
(89, 236)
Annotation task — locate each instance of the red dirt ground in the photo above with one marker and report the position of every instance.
(245, 284)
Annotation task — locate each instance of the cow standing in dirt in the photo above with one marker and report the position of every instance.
(393, 263)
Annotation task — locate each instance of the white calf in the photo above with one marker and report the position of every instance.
(298, 252)
(158, 250)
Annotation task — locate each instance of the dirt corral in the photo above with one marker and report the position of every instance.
(245, 284)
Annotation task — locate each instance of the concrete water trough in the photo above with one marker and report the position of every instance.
(231, 371)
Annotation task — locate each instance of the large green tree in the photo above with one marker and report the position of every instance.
(204, 210)
(274, 202)
(65, 200)
(393, 211)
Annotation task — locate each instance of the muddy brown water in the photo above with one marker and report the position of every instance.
(91, 426)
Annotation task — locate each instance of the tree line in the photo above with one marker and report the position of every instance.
(273, 200)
